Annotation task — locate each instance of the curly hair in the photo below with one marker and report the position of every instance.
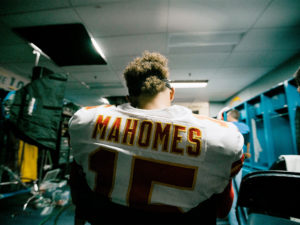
(145, 75)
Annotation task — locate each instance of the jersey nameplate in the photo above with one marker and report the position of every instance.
(157, 136)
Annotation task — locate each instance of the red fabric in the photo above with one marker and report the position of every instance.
(236, 166)
(225, 200)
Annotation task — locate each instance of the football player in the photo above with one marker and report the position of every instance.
(149, 157)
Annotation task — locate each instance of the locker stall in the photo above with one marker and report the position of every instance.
(271, 118)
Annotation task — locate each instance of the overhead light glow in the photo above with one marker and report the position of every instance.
(189, 83)
(84, 84)
(38, 50)
(97, 47)
(104, 100)
(205, 39)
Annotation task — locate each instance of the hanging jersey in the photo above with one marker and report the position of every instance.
(163, 160)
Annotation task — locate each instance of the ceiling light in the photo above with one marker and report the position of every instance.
(84, 84)
(37, 49)
(73, 45)
(188, 83)
(104, 101)
(97, 47)
(204, 39)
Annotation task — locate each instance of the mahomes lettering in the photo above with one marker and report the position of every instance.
(160, 136)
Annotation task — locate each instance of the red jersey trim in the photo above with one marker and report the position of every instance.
(236, 166)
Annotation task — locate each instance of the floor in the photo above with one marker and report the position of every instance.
(11, 213)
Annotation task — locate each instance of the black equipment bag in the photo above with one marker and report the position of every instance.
(37, 109)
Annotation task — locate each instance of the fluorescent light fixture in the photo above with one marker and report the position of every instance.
(38, 50)
(84, 84)
(204, 39)
(97, 47)
(189, 83)
(104, 100)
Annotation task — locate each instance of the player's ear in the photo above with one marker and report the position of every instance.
(172, 94)
(127, 98)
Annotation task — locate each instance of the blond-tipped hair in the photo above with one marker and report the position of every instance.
(145, 74)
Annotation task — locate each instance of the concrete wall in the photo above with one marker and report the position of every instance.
(283, 72)
(201, 108)
(215, 108)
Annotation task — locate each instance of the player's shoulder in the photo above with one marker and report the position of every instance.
(180, 107)
(86, 114)
(99, 107)
(212, 121)
(221, 133)
(94, 109)
(180, 110)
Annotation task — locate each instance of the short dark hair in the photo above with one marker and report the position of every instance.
(234, 113)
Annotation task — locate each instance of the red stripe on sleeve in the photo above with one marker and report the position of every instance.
(236, 166)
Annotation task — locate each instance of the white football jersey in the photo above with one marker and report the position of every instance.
(163, 159)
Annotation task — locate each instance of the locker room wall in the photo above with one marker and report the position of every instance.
(271, 117)
(284, 72)
(197, 107)
(215, 108)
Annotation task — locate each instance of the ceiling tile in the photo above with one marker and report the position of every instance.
(265, 58)
(25, 69)
(94, 2)
(123, 18)
(133, 45)
(106, 76)
(104, 86)
(271, 39)
(21, 69)
(196, 61)
(86, 68)
(190, 95)
(16, 54)
(8, 37)
(281, 13)
(73, 85)
(125, 28)
(245, 75)
(191, 74)
(89, 99)
(119, 63)
(223, 83)
(21, 6)
(50, 17)
(201, 49)
(213, 15)
(87, 95)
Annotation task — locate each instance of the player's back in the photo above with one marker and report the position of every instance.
(167, 160)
